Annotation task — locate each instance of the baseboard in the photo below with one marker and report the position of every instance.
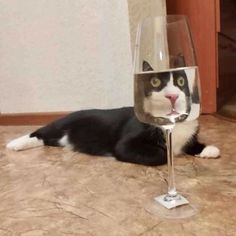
(37, 118)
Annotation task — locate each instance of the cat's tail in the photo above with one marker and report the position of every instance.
(25, 142)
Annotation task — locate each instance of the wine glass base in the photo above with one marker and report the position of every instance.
(178, 208)
(171, 202)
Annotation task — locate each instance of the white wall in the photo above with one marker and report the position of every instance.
(59, 55)
(139, 9)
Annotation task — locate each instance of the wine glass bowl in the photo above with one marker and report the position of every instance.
(164, 51)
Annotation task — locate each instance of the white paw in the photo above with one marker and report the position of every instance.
(14, 145)
(210, 152)
(23, 143)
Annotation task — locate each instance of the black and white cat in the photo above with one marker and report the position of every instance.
(119, 133)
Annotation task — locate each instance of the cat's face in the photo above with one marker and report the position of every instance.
(166, 93)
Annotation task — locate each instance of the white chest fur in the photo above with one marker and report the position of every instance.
(182, 133)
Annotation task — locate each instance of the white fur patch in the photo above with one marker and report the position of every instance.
(24, 142)
(210, 152)
(64, 142)
(182, 133)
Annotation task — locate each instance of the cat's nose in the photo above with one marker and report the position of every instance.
(172, 97)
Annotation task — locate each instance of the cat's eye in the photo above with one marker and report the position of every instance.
(180, 81)
(155, 82)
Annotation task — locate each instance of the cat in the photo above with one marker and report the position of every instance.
(118, 132)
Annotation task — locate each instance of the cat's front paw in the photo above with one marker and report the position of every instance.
(209, 152)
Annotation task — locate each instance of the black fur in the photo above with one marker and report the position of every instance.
(115, 132)
(193, 147)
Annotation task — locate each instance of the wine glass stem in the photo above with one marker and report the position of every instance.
(171, 173)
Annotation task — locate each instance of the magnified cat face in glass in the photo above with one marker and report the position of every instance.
(168, 95)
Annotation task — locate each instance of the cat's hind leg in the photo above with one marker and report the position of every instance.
(48, 135)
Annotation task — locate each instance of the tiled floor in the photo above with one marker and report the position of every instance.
(50, 191)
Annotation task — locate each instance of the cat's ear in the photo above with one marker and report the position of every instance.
(146, 66)
(179, 61)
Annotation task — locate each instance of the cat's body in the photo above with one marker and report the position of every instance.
(119, 133)
(116, 132)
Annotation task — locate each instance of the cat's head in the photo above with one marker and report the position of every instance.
(166, 93)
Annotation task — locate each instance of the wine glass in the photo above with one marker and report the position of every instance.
(167, 91)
